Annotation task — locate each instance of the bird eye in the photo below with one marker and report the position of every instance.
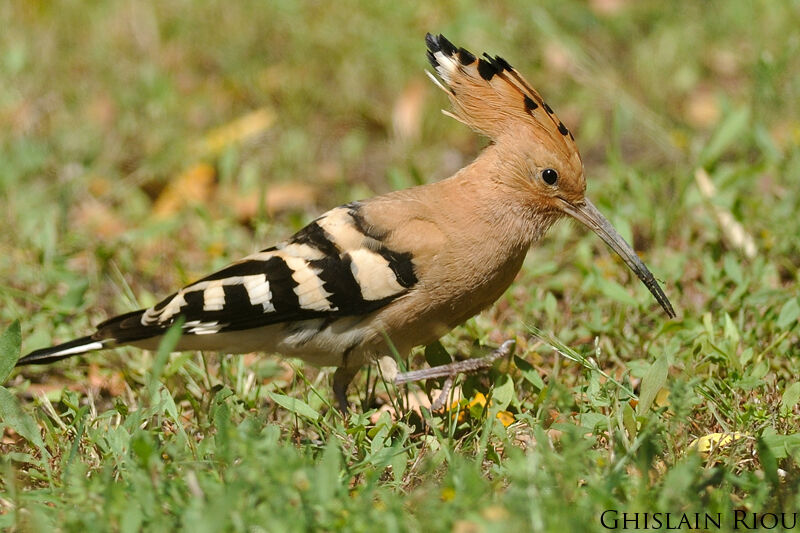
(550, 176)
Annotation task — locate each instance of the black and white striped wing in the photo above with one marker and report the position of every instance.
(336, 266)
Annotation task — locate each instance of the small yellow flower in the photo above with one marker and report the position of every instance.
(478, 399)
(505, 418)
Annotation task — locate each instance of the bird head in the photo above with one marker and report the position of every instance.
(538, 156)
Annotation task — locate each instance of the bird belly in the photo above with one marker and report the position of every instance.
(321, 342)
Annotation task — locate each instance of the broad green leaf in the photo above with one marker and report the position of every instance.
(629, 421)
(747, 355)
(10, 342)
(143, 447)
(399, 464)
(781, 446)
(328, 471)
(12, 415)
(436, 354)
(760, 370)
(222, 438)
(591, 421)
(298, 407)
(529, 372)
(769, 463)
(732, 128)
(652, 382)
(731, 332)
(733, 268)
(503, 393)
(789, 314)
(165, 347)
(615, 291)
(790, 397)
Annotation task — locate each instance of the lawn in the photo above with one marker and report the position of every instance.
(144, 146)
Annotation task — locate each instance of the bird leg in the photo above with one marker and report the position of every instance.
(341, 379)
(450, 370)
(438, 403)
(468, 366)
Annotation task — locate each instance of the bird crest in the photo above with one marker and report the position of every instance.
(492, 98)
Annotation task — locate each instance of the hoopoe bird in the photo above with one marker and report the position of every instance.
(401, 269)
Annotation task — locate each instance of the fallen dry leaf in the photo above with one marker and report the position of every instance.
(97, 218)
(732, 230)
(290, 196)
(785, 134)
(192, 187)
(407, 111)
(466, 526)
(240, 130)
(279, 198)
(702, 108)
(112, 382)
(714, 441)
(558, 58)
(52, 386)
(607, 7)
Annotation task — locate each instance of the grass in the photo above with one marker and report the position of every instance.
(127, 171)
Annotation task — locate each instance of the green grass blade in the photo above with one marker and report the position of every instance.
(10, 343)
(13, 416)
(296, 406)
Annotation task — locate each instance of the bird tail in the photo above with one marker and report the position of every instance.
(122, 329)
(62, 351)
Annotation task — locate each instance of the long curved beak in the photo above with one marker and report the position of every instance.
(588, 215)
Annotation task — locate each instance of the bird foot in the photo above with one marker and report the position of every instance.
(451, 370)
